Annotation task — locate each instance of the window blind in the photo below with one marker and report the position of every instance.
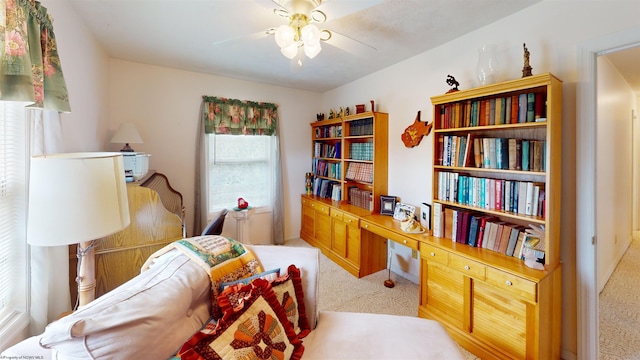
(13, 209)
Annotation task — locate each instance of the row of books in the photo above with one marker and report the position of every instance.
(357, 171)
(521, 108)
(480, 230)
(492, 153)
(361, 151)
(521, 197)
(361, 198)
(361, 127)
(333, 131)
(329, 189)
(327, 150)
(328, 169)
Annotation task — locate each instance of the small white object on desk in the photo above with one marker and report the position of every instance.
(241, 216)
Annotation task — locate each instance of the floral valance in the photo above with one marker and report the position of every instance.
(237, 117)
(30, 67)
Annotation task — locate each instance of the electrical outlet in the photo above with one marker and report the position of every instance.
(414, 254)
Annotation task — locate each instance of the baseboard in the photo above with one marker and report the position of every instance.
(614, 264)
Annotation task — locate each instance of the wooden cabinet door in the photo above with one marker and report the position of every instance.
(307, 229)
(339, 234)
(500, 320)
(443, 293)
(322, 225)
(353, 244)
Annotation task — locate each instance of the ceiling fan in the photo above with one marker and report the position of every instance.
(300, 36)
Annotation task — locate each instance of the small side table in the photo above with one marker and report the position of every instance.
(241, 216)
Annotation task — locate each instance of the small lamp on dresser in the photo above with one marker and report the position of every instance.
(127, 134)
(75, 198)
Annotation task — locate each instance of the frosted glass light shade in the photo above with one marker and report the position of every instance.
(290, 51)
(284, 36)
(312, 51)
(76, 197)
(310, 35)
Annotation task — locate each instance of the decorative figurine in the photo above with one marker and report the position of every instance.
(341, 112)
(347, 111)
(526, 70)
(373, 106)
(308, 180)
(242, 204)
(320, 116)
(451, 81)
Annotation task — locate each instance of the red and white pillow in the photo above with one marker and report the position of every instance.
(260, 318)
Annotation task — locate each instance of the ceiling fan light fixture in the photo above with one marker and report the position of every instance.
(285, 36)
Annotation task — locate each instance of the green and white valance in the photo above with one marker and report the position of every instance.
(237, 117)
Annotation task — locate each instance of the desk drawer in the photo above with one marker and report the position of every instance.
(335, 214)
(320, 207)
(471, 268)
(513, 284)
(432, 253)
(399, 238)
(351, 220)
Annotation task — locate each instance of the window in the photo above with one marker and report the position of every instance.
(13, 184)
(239, 166)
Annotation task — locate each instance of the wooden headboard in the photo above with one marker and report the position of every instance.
(120, 256)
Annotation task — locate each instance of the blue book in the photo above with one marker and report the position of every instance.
(473, 231)
(525, 154)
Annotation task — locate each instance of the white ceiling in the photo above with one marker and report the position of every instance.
(226, 37)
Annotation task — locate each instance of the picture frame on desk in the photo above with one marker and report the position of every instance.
(387, 205)
(403, 212)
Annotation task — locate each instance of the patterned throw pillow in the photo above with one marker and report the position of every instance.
(290, 295)
(258, 329)
(288, 290)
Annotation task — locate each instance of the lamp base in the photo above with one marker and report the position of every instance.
(127, 148)
(86, 278)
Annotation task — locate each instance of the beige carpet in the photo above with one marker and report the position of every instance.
(619, 309)
(341, 291)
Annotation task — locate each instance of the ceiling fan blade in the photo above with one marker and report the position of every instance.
(337, 9)
(238, 39)
(350, 44)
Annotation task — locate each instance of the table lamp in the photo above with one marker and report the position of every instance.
(127, 134)
(75, 198)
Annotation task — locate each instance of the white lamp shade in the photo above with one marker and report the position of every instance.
(284, 36)
(76, 197)
(127, 133)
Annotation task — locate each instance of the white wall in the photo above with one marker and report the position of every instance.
(165, 106)
(551, 29)
(85, 69)
(614, 181)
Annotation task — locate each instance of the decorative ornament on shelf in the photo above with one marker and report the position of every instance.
(308, 182)
(526, 70)
(413, 134)
(359, 108)
(451, 81)
(320, 116)
(242, 204)
(533, 247)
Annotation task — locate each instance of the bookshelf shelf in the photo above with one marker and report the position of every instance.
(496, 165)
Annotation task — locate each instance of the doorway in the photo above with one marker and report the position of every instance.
(586, 249)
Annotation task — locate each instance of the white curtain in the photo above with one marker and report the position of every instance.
(49, 265)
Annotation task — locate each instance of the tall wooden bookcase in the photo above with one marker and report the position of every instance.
(351, 153)
(491, 303)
